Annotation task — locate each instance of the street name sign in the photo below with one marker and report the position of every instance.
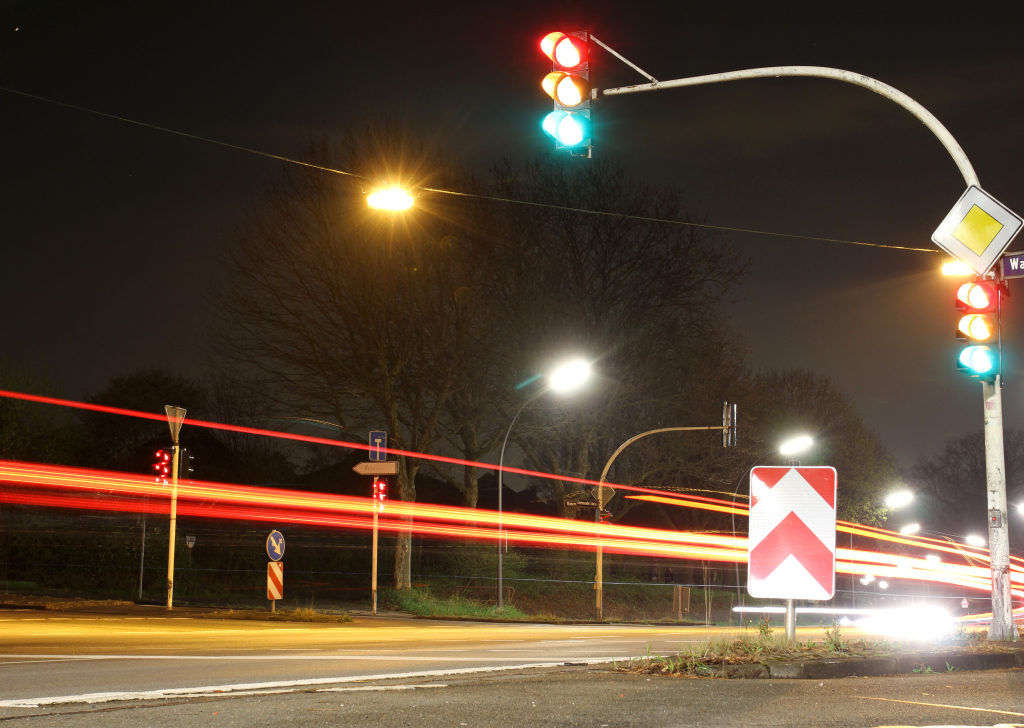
(1013, 265)
(275, 580)
(388, 467)
(977, 230)
(792, 541)
(583, 501)
(275, 545)
(378, 445)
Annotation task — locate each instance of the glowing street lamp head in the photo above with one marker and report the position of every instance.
(910, 528)
(795, 445)
(883, 585)
(570, 375)
(932, 558)
(899, 499)
(975, 541)
(393, 199)
(953, 267)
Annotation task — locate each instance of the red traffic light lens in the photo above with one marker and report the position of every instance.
(977, 296)
(565, 50)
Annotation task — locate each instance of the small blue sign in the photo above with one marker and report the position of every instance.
(275, 545)
(378, 445)
(1013, 265)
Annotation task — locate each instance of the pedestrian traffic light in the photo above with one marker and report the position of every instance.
(163, 463)
(380, 491)
(568, 85)
(979, 304)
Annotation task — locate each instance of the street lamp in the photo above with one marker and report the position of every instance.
(910, 528)
(899, 499)
(975, 540)
(393, 199)
(566, 377)
(954, 267)
(797, 444)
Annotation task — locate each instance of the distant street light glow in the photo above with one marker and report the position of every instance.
(883, 585)
(932, 558)
(393, 199)
(975, 541)
(570, 375)
(953, 267)
(899, 499)
(796, 445)
(910, 528)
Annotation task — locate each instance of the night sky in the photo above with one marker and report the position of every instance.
(109, 230)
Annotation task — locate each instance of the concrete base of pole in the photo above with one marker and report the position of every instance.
(791, 620)
(273, 605)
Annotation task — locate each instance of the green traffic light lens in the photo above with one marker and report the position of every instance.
(979, 359)
(569, 129)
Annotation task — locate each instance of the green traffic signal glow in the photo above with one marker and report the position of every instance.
(978, 359)
(568, 129)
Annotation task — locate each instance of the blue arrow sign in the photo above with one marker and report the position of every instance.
(378, 445)
(275, 545)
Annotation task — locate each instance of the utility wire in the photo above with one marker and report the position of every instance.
(290, 160)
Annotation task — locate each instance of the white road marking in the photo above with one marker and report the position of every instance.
(247, 688)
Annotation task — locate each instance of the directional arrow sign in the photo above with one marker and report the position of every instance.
(792, 543)
(387, 467)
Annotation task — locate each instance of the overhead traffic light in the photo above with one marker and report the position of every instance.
(185, 460)
(979, 305)
(568, 85)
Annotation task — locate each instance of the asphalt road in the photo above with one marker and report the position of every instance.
(47, 654)
(580, 697)
(155, 668)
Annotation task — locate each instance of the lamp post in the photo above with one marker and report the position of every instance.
(565, 377)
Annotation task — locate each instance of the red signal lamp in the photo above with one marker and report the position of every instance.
(978, 297)
(565, 50)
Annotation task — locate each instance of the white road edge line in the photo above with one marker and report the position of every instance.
(246, 688)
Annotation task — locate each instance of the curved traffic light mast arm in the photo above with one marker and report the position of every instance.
(925, 116)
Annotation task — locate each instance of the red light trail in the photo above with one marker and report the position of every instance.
(64, 487)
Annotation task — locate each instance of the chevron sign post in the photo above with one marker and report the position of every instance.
(792, 542)
(275, 582)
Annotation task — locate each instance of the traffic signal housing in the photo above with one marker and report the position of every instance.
(380, 491)
(568, 85)
(979, 302)
(162, 464)
(605, 516)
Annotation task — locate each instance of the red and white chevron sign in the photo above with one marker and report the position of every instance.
(792, 544)
(275, 579)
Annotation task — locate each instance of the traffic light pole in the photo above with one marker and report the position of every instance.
(605, 494)
(373, 566)
(1002, 627)
(171, 529)
(1002, 619)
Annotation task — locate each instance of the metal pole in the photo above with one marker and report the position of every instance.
(373, 567)
(171, 530)
(599, 583)
(142, 559)
(1002, 627)
(501, 465)
(836, 74)
(599, 576)
(791, 620)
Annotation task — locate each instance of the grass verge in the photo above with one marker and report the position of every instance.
(423, 604)
(712, 657)
(298, 615)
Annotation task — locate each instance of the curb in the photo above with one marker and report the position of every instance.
(567, 622)
(936, 662)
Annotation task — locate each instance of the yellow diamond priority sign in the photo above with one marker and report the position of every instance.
(977, 230)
